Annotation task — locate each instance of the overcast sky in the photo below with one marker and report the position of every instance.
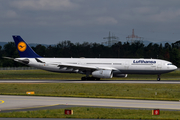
(52, 21)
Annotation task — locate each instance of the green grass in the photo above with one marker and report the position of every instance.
(94, 113)
(126, 91)
(40, 74)
(95, 90)
(36, 74)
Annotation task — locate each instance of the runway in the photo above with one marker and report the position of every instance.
(30, 102)
(101, 81)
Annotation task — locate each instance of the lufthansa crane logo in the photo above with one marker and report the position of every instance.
(22, 46)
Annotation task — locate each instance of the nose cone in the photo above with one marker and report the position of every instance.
(174, 67)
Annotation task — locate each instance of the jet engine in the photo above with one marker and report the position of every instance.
(120, 75)
(102, 74)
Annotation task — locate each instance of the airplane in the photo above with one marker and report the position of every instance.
(97, 68)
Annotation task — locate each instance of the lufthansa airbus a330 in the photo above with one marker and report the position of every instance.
(95, 67)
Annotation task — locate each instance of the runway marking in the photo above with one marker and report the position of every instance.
(1, 101)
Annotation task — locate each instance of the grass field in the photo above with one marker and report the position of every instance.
(95, 113)
(96, 90)
(40, 74)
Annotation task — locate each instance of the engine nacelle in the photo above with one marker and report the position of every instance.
(120, 75)
(102, 74)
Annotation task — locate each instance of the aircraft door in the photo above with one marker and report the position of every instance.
(159, 66)
(126, 65)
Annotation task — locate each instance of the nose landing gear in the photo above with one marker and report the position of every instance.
(158, 78)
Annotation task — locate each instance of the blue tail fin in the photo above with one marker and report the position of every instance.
(24, 49)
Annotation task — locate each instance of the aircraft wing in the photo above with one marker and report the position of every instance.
(84, 67)
(77, 66)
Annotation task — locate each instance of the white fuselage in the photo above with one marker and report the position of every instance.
(118, 66)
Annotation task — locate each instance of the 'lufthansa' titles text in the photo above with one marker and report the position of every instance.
(143, 62)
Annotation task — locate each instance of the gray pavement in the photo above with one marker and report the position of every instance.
(8, 102)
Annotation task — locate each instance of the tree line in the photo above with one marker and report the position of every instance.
(137, 49)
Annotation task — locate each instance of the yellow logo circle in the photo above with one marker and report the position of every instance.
(22, 46)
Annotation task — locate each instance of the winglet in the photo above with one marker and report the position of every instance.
(23, 48)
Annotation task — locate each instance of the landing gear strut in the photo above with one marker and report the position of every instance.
(158, 79)
(90, 78)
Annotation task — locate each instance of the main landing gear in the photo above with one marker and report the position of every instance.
(158, 78)
(90, 78)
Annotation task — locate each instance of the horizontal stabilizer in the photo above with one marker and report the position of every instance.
(24, 60)
(9, 58)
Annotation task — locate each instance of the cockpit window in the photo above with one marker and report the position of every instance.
(169, 64)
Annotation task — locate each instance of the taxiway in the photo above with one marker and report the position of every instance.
(28, 102)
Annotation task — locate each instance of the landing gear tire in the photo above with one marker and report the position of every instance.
(83, 78)
(158, 79)
(90, 78)
(97, 79)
